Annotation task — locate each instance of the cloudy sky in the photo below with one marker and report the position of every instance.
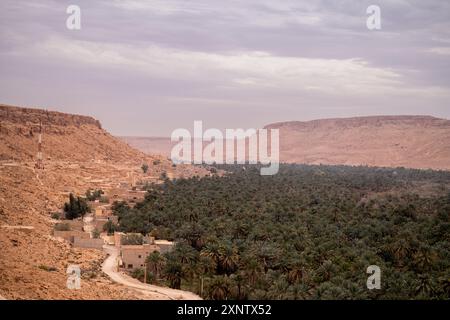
(146, 67)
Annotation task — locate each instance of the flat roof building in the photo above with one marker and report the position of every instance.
(133, 256)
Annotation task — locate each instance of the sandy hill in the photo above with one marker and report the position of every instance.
(150, 145)
(391, 141)
(78, 155)
(65, 137)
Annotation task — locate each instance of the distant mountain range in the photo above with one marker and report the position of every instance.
(386, 141)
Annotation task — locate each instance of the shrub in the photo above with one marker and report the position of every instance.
(132, 239)
(95, 234)
(163, 176)
(104, 199)
(56, 215)
(140, 274)
(144, 167)
(76, 207)
(47, 268)
(109, 227)
(94, 195)
(62, 226)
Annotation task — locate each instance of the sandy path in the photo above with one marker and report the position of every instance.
(149, 291)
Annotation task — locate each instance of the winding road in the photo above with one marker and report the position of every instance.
(149, 291)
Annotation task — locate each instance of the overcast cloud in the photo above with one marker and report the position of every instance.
(147, 67)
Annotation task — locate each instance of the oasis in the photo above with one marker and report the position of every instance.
(236, 146)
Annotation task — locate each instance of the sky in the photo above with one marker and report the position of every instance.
(145, 68)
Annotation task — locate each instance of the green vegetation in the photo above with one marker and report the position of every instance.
(104, 199)
(144, 168)
(132, 239)
(63, 226)
(56, 215)
(155, 263)
(109, 227)
(47, 268)
(139, 274)
(76, 207)
(309, 232)
(92, 195)
(95, 234)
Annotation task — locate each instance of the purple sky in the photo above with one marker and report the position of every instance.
(148, 67)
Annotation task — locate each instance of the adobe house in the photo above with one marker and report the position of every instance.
(133, 256)
(102, 211)
(164, 245)
(99, 222)
(118, 238)
(109, 240)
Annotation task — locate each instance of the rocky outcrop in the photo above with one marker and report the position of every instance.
(388, 141)
(31, 116)
(65, 137)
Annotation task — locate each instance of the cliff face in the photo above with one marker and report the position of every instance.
(65, 137)
(390, 141)
(28, 197)
(387, 141)
(48, 118)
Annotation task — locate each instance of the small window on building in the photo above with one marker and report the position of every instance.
(139, 256)
(130, 266)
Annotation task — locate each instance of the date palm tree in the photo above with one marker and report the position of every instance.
(229, 258)
(212, 251)
(424, 258)
(220, 288)
(173, 272)
(155, 262)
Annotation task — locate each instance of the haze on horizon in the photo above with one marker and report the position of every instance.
(145, 68)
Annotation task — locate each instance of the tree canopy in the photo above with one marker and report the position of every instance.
(308, 232)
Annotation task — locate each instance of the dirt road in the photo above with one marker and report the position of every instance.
(148, 291)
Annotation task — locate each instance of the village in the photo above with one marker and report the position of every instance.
(96, 229)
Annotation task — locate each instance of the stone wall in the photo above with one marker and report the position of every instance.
(70, 235)
(88, 243)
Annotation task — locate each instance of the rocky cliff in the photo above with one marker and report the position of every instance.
(387, 141)
(390, 141)
(65, 137)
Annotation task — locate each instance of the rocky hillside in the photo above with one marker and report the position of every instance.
(65, 137)
(150, 145)
(390, 141)
(387, 141)
(78, 155)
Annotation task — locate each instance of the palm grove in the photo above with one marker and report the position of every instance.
(308, 232)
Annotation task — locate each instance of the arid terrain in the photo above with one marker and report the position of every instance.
(77, 155)
(421, 142)
(150, 145)
(386, 141)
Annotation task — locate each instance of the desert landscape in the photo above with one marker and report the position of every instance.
(79, 155)
(243, 153)
(420, 142)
